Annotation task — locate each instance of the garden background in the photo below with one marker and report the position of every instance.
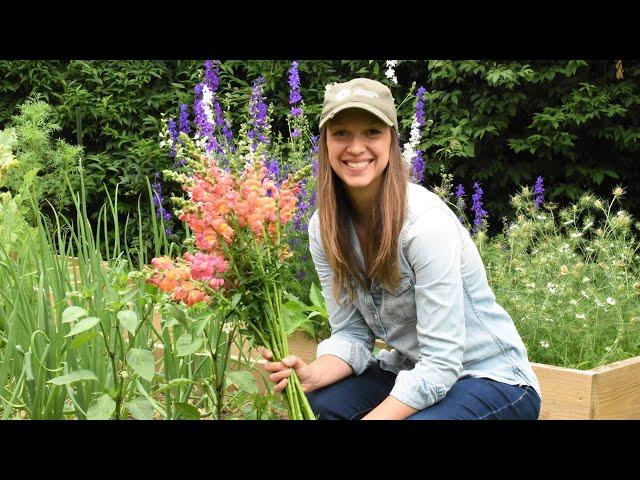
(500, 125)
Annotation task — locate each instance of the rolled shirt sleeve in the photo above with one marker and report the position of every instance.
(433, 246)
(351, 339)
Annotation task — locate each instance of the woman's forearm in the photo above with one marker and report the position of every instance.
(328, 369)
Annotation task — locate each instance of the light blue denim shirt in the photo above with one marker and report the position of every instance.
(442, 322)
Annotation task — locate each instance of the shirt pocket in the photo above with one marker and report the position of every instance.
(400, 304)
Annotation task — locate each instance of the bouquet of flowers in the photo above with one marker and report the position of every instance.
(240, 223)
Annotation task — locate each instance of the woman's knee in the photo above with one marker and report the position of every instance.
(324, 404)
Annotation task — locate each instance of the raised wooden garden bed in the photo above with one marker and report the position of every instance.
(608, 392)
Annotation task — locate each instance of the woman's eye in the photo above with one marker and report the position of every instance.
(374, 131)
(339, 133)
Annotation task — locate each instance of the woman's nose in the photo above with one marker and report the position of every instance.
(356, 148)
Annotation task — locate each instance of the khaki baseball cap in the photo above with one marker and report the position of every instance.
(370, 95)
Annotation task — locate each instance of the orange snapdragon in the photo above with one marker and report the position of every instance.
(217, 202)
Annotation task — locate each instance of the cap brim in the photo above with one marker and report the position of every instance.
(362, 106)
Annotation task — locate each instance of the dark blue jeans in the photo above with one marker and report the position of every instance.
(469, 399)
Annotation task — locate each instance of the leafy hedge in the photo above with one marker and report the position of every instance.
(504, 123)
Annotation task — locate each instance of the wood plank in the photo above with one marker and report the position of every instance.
(566, 392)
(617, 390)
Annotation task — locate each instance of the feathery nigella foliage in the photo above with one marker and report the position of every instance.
(479, 221)
(539, 193)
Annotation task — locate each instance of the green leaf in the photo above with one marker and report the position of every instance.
(140, 408)
(142, 362)
(316, 296)
(243, 380)
(101, 408)
(72, 377)
(129, 320)
(186, 345)
(296, 307)
(174, 383)
(72, 314)
(83, 326)
(187, 411)
(235, 300)
(83, 338)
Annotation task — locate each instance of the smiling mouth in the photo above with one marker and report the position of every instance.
(357, 165)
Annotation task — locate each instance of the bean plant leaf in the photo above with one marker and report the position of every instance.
(243, 380)
(72, 377)
(101, 408)
(72, 314)
(140, 408)
(186, 345)
(83, 338)
(83, 326)
(187, 411)
(293, 321)
(315, 295)
(129, 320)
(142, 362)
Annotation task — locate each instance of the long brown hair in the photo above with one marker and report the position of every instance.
(335, 210)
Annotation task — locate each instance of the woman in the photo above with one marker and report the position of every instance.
(395, 263)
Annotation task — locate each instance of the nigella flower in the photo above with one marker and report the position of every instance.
(296, 132)
(538, 192)
(480, 213)
(258, 115)
(315, 148)
(158, 201)
(459, 191)
(294, 86)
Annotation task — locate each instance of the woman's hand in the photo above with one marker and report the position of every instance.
(282, 370)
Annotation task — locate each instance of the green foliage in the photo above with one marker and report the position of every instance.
(573, 122)
(55, 162)
(569, 279)
(504, 123)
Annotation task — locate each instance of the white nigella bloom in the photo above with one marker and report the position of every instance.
(391, 73)
(611, 301)
(544, 344)
(551, 287)
(581, 316)
(584, 294)
(409, 150)
(227, 327)
(573, 302)
(585, 279)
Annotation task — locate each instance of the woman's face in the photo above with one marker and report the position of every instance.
(358, 144)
